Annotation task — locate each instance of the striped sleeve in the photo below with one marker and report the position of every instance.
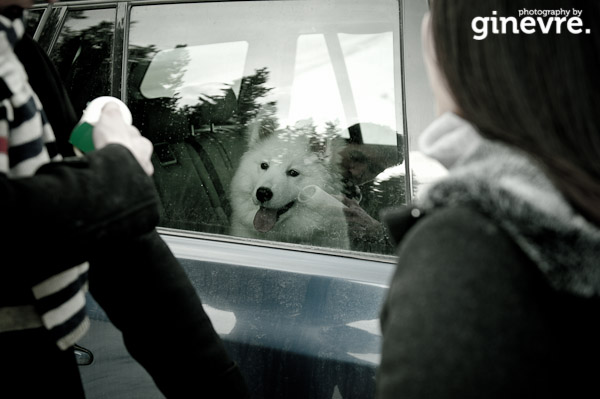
(60, 301)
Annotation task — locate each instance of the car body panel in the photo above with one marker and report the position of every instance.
(303, 328)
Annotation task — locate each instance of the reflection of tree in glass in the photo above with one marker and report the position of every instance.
(252, 88)
(47, 35)
(83, 58)
(72, 43)
(138, 62)
(169, 68)
(250, 108)
(142, 53)
(218, 105)
(31, 21)
(304, 127)
(203, 106)
(332, 128)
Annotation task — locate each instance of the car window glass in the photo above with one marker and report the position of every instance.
(83, 54)
(264, 115)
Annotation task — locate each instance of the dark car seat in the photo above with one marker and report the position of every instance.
(195, 153)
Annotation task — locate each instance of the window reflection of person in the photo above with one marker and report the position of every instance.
(366, 194)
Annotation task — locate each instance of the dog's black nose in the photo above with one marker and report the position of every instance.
(263, 194)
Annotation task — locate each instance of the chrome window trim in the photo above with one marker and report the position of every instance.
(63, 8)
(101, 3)
(284, 259)
(239, 242)
(407, 172)
(43, 19)
(124, 12)
(60, 23)
(398, 92)
(119, 55)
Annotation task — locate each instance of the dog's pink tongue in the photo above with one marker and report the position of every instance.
(265, 219)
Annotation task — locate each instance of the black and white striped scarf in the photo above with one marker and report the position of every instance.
(26, 143)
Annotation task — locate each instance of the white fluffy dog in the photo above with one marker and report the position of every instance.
(284, 190)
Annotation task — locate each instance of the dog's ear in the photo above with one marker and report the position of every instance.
(256, 132)
(261, 127)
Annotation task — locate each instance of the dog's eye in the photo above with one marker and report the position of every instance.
(293, 172)
(264, 166)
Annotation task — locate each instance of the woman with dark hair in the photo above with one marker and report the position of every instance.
(497, 288)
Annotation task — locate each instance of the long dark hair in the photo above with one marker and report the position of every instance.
(539, 92)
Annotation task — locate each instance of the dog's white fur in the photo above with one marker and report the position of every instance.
(284, 162)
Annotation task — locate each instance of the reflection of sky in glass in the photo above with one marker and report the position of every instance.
(229, 40)
(371, 68)
(226, 66)
(374, 358)
(222, 321)
(371, 326)
(314, 93)
(369, 60)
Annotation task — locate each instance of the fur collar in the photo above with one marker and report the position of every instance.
(509, 187)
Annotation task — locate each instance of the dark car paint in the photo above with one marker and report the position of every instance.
(306, 330)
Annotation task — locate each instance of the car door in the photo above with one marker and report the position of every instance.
(298, 311)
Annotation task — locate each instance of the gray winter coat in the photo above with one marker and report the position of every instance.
(497, 286)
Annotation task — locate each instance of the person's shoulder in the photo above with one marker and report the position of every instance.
(457, 241)
(454, 223)
(462, 273)
(460, 223)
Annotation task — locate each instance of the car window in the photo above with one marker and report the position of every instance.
(264, 115)
(83, 54)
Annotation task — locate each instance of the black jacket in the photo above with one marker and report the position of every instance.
(469, 315)
(497, 289)
(60, 217)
